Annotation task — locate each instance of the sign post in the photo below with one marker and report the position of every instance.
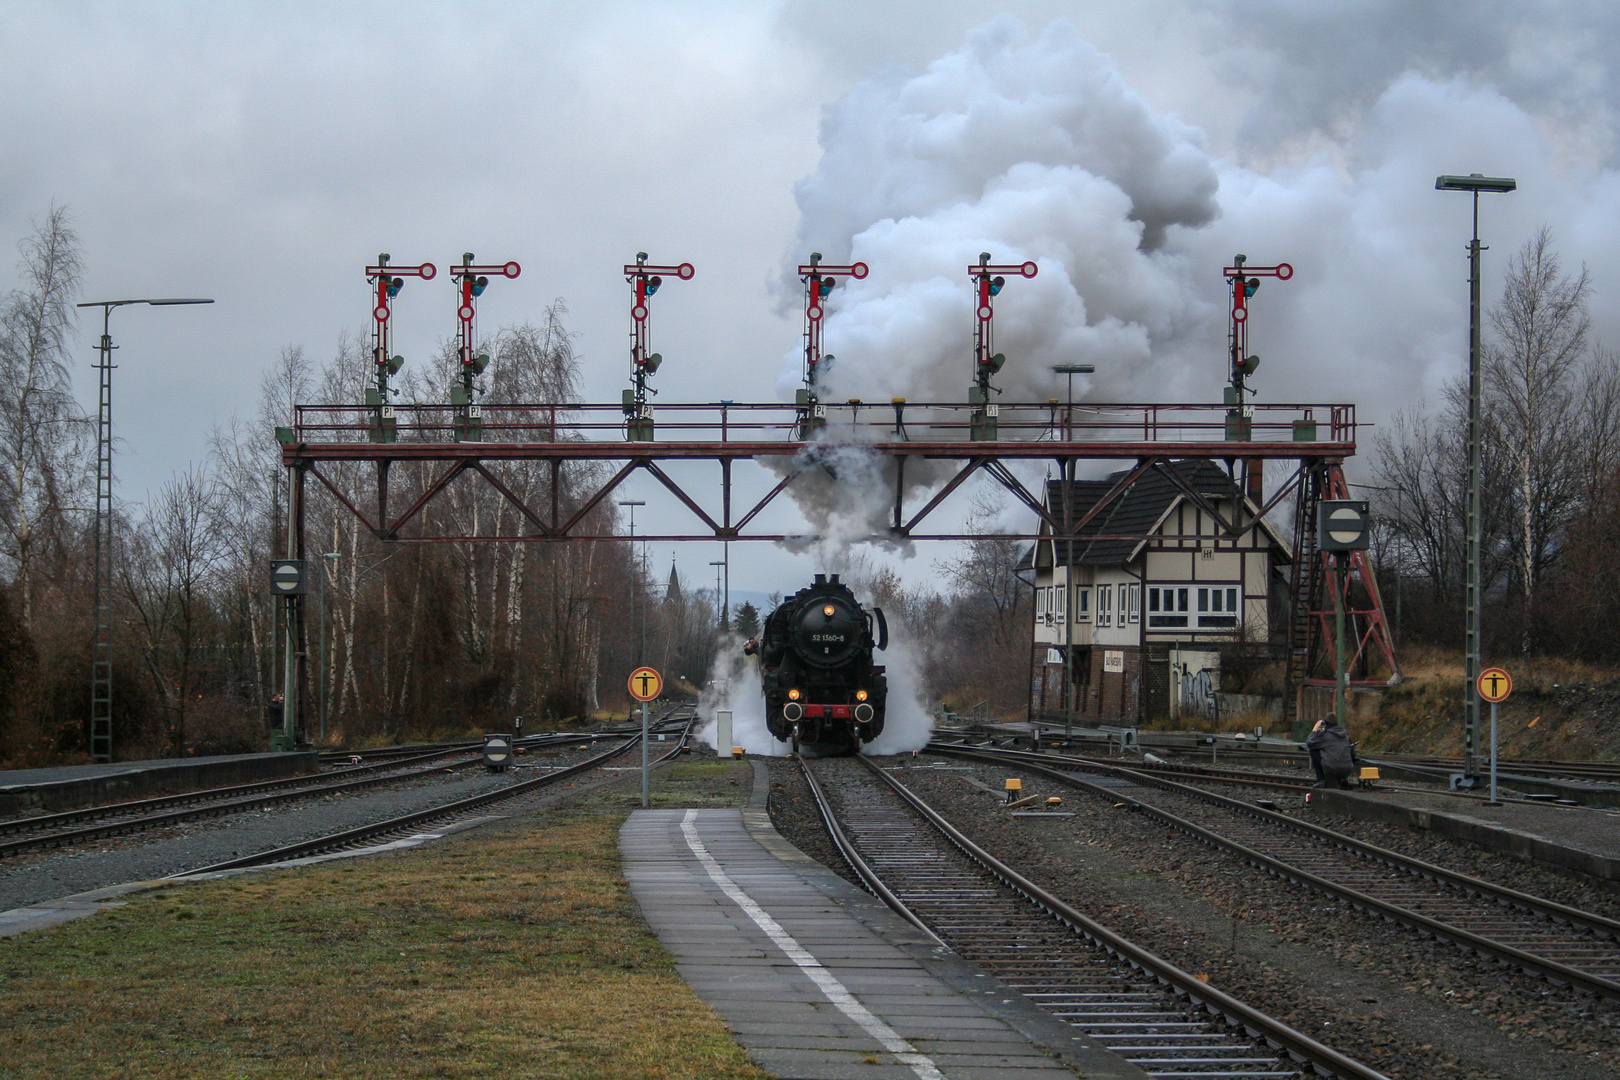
(1342, 526)
(645, 684)
(1494, 685)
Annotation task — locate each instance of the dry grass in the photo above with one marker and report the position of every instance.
(508, 953)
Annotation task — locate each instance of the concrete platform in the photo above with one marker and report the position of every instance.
(1582, 838)
(820, 981)
(47, 790)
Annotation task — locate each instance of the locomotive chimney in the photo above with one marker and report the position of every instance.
(821, 579)
(835, 579)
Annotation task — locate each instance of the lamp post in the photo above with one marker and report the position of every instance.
(640, 630)
(1069, 371)
(1474, 183)
(101, 611)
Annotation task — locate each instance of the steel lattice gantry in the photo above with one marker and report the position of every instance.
(406, 476)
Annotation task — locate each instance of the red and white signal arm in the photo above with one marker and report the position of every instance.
(646, 684)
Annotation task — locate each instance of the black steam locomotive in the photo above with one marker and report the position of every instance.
(822, 691)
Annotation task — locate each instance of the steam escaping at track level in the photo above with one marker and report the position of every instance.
(735, 683)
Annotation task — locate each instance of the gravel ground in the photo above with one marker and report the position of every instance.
(1410, 1007)
(50, 875)
(1569, 887)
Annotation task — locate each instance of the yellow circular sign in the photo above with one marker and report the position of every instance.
(1494, 685)
(646, 684)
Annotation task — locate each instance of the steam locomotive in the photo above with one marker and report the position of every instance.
(822, 691)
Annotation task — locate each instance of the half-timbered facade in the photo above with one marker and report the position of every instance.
(1158, 580)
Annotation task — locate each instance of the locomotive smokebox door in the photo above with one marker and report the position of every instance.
(497, 752)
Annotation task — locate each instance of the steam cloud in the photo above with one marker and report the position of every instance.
(1031, 146)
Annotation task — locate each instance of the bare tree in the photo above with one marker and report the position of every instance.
(168, 577)
(1530, 369)
(41, 429)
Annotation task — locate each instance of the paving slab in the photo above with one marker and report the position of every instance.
(819, 981)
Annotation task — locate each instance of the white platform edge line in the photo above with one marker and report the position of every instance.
(825, 981)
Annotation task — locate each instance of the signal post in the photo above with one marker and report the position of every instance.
(645, 685)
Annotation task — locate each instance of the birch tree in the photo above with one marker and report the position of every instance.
(42, 433)
(1530, 370)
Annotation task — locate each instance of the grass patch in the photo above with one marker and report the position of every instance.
(510, 952)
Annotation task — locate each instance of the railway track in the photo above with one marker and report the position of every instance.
(120, 819)
(408, 824)
(1251, 777)
(1562, 944)
(1167, 1022)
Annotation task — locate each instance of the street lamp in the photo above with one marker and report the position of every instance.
(635, 583)
(1069, 371)
(1474, 183)
(101, 612)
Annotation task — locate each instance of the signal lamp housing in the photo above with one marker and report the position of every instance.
(394, 364)
(479, 363)
(860, 695)
(793, 695)
(652, 363)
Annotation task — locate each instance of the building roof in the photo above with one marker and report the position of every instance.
(1137, 512)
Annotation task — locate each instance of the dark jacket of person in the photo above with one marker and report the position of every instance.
(1338, 759)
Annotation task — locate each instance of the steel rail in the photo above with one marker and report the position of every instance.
(863, 869)
(1551, 970)
(1275, 1033)
(211, 802)
(349, 837)
(221, 801)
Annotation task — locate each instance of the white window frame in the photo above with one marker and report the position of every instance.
(1040, 604)
(1167, 607)
(1060, 598)
(1133, 604)
(1105, 605)
(1082, 603)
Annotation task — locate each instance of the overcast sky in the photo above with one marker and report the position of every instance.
(262, 154)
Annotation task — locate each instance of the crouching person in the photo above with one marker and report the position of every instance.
(1332, 756)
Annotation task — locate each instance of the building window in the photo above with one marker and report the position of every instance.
(1167, 606)
(1218, 606)
(1105, 605)
(1040, 605)
(1132, 605)
(1060, 600)
(1082, 603)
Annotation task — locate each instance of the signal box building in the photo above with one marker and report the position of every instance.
(1146, 619)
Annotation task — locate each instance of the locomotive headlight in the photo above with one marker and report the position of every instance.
(828, 611)
(860, 695)
(793, 695)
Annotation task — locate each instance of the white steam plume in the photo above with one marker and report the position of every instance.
(734, 683)
(1030, 146)
(1026, 148)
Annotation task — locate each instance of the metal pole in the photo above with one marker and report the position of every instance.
(1493, 753)
(321, 653)
(1471, 569)
(644, 802)
(725, 618)
(101, 613)
(1338, 638)
(289, 674)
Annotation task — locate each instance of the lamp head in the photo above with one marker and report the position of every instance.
(1475, 182)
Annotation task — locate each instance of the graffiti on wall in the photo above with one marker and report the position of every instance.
(1198, 692)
